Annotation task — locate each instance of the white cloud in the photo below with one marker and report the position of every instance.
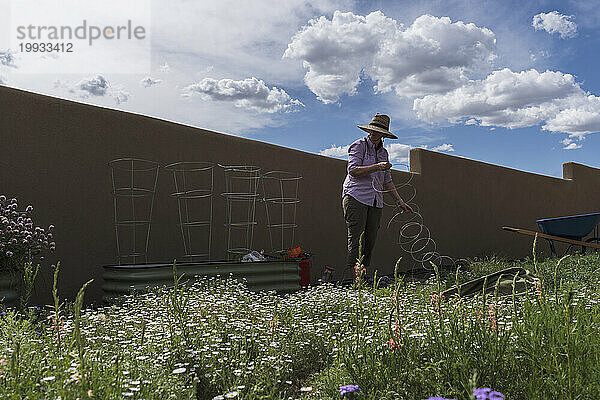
(96, 86)
(444, 147)
(149, 81)
(572, 146)
(517, 99)
(555, 22)
(120, 96)
(7, 59)
(335, 151)
(249, 93)
(238, 38)
(580, 119)
(398, 152)
(540, 55)
(196, 39)
(432, 55)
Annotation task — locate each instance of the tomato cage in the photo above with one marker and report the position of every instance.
(280, 191)
(241, 193)
(134, 184)
(194, 183)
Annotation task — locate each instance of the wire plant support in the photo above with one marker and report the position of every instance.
(413, 236)
(280, 190)
(134, 183)
(194, 184)
(241, 193)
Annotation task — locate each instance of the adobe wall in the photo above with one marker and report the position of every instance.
(54, 154)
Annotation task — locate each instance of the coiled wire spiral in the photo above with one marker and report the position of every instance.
(414, 237)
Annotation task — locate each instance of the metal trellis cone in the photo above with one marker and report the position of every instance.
(194, 183)
(281, 200)
(241, 193)
(134, 184)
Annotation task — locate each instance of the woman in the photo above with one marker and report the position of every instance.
(362, 194)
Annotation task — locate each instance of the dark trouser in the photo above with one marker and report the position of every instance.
(360, 218)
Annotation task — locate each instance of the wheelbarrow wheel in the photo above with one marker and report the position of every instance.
(595, 240)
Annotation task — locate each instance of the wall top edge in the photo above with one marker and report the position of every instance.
(420, 157)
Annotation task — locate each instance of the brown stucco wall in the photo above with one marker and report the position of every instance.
(54, 154)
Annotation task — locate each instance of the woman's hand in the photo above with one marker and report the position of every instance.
(404, 206)
(382, 166)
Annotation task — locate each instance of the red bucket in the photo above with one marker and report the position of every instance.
(304, 265)
(303, 258)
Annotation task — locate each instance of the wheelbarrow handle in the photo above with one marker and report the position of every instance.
(552, 237)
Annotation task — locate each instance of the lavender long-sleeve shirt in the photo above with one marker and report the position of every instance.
(367, 189)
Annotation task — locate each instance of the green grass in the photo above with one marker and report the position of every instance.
(217, 338)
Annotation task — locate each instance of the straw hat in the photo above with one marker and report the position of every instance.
(380, 124)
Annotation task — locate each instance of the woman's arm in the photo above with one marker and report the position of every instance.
(404, 206)
(369, 169)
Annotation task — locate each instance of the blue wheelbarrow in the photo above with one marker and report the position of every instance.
(570, 229)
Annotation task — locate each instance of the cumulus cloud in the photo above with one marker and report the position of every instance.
(335, 151)
(96, 86)
(579, 118)
(249, 93)
(7, 59)
(555, 22)
(517, 99)
(572, 146)
(540, 55)
(398, 152)
(432, 55)
(120, 96)
(149, 81)
(240, 38)
(444, 147)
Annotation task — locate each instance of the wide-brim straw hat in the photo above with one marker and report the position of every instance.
(380, 124)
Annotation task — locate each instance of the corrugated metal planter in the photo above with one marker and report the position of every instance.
(282, 276)
(10, 283)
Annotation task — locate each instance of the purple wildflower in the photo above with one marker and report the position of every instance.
(349, 390)
(487, 394)
(20, 240)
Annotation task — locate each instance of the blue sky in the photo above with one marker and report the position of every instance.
(505, 82)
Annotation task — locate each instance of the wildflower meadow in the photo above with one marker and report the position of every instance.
(214, 339)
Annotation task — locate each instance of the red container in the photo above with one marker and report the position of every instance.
(304, 265)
